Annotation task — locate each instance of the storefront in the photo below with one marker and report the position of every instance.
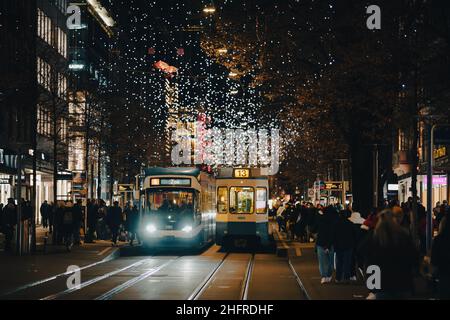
(8, 167)
(440, 186)
(5, 188)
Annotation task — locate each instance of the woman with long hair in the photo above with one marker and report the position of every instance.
(392, 250)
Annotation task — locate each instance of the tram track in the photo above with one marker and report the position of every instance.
(196, 294)
(247, 279)
(244, 288)
(128, 284)
(48, 280)
(95, 280)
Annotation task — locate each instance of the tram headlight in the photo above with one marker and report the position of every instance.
(150, 228)
(187, 229)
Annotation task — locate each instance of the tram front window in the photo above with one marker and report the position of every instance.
(241, 199)
(171, 202)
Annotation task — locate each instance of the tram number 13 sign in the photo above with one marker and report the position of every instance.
(241, 173)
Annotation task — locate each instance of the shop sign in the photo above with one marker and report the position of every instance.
(440, 152)
(334, 186)
(4, 180)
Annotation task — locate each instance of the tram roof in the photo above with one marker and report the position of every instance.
(176, 171)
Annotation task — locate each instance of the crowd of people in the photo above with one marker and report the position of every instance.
(65, 221)
(347, 241)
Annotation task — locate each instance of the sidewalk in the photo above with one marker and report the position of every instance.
(303, 259)
(21, 271)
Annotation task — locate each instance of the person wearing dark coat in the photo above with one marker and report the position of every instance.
(27, 210)
(58, 226)
(114, 220)
(44, 214)
(67, 223)
(132, 223)
(440, 258)
(325, 240)
(77, 222)
(344, 245)
(51, 217)
(9, 221)
(92, 219)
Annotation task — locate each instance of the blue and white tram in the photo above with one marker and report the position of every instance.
(242, 208)
(178, 208)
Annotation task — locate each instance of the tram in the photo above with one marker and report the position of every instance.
(242, 207)
(177, 208)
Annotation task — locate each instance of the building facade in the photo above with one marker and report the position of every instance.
(17, 95)
(90, 45)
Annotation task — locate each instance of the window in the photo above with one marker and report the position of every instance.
(43, 73)
(261, 200)
(241, 199)
(44, 27)
(62, 42)
(222, 200)
(175, 201)
(63, 129)
(44, 121)
(62, 86)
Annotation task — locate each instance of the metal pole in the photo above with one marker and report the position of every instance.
(343, 183)
(429, 217)
(375, 176)
(19, 205)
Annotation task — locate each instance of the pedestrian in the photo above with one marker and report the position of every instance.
(58, 225)
(357, 261)
(344, 244)
(92, 218)
(68, 224)
(77, 221)
(301, 222)
(44, 214)
(440, 259)
(132, 224)
(289, 218)
(324, 244)
(51, 214)
(441, 213)
(422, 228)
(114, 220)
(27, 210)
(9, 222)
(280, 219)
(392, 250)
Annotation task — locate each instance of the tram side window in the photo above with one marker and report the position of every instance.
(241, 199)
(222, 200)
(261, 200)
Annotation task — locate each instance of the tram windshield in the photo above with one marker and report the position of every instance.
(170, 201)
(241, 199)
